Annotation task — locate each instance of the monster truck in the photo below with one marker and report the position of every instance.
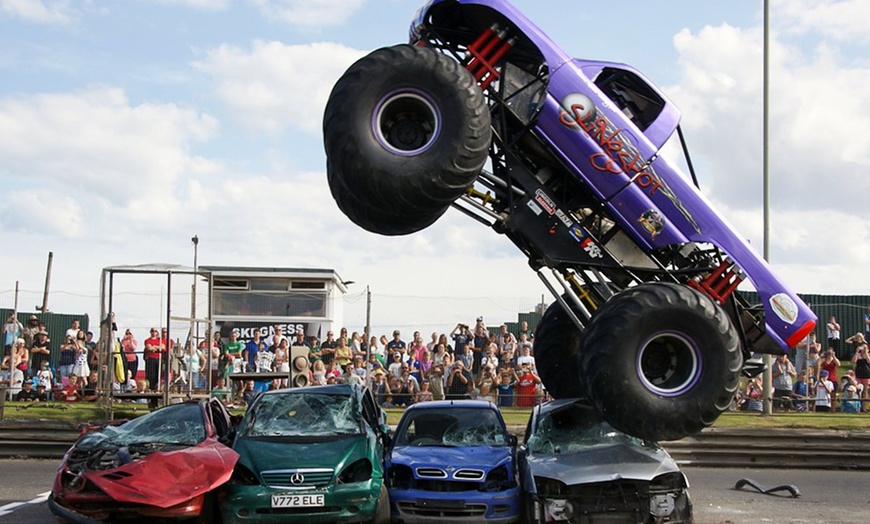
(483, 112)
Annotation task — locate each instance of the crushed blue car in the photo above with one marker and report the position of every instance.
(453, 461)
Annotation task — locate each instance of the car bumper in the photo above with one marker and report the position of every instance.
(342, 503)
(97, 507)
(414, 505)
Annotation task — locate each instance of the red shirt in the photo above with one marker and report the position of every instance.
(526, 390)
(157, 343)
(831, 368)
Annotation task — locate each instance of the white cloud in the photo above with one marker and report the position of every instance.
(840, 20)
(211, 5)
(56, 12)
(310, 13)
(818, 144)
(99, 156)
(272, 86)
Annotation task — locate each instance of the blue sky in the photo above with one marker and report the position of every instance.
(127, 127)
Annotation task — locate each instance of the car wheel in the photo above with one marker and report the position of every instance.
(661, 361)
(375, 218)
(382, 513)
(406, 129)
(557, 345)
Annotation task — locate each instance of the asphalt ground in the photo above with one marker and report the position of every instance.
(826, 496)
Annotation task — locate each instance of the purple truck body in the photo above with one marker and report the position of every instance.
(621, 164)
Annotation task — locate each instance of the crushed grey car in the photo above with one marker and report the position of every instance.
(577, 468)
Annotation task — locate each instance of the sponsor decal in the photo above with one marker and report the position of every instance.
(564, 218)
(619, 154)
(546, 202)
(784, 307)
(245, 330)
(590, 247)
(536, 209)
(652, 221)
(577, 232)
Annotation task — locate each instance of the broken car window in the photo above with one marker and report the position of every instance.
(180, 424)
(304, 414)
(452, 427)
(574, 429)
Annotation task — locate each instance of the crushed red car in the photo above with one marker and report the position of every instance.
(165, 465)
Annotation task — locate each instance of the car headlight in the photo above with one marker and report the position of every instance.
(547, 487)
(400, 476)
(668, 482)
(243, 476)
(498, 479)
(359, 471)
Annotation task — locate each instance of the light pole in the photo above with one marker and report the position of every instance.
(767, 377)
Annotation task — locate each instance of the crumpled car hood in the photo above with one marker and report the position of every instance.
(271, 454)
(168, 478)
(603, 464)
(479, 457)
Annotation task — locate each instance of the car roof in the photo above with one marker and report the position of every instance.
(329, 389)
(463, 404)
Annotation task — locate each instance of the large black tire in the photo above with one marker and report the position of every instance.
(557, 346)
(661, 361)
(406, 129)
(376, 219)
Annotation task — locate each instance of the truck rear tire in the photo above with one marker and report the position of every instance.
(661, 361)
(557, 346)
(406, 129)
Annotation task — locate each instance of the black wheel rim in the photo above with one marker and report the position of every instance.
(406, 122)
(669, 364)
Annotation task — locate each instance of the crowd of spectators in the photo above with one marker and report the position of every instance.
(814, 382)
(26, 369)
(467, 363)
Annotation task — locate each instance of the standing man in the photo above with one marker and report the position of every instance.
(30, 330)
(73, 330)
(40, 352)
(397, 345)
(784, 375)
(327, 349)
(154, 349)
(11, 332)
(252, 349)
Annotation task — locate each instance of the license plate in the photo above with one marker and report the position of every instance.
(297, 501)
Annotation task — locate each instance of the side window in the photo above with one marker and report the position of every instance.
(634, 97)
(371, 413)
(218, 419)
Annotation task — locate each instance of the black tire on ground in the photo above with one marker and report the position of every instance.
(382, 513)
(374, 218)
(661, 361)
(557, 346)
(406, 128)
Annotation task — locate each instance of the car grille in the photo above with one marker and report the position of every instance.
(468, 474)
(431, 473)
(297, 478)
(462, 511)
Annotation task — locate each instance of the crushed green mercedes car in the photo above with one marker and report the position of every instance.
(312, 454)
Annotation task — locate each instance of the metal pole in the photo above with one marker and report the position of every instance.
(368, 323)
(767, 378)
(165, 357)
(195, 343)
(44, 307)
(15, 305)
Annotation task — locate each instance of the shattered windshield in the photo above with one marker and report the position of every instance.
(574, 429)
(302, 414)
(452, 427)
(180, 424)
